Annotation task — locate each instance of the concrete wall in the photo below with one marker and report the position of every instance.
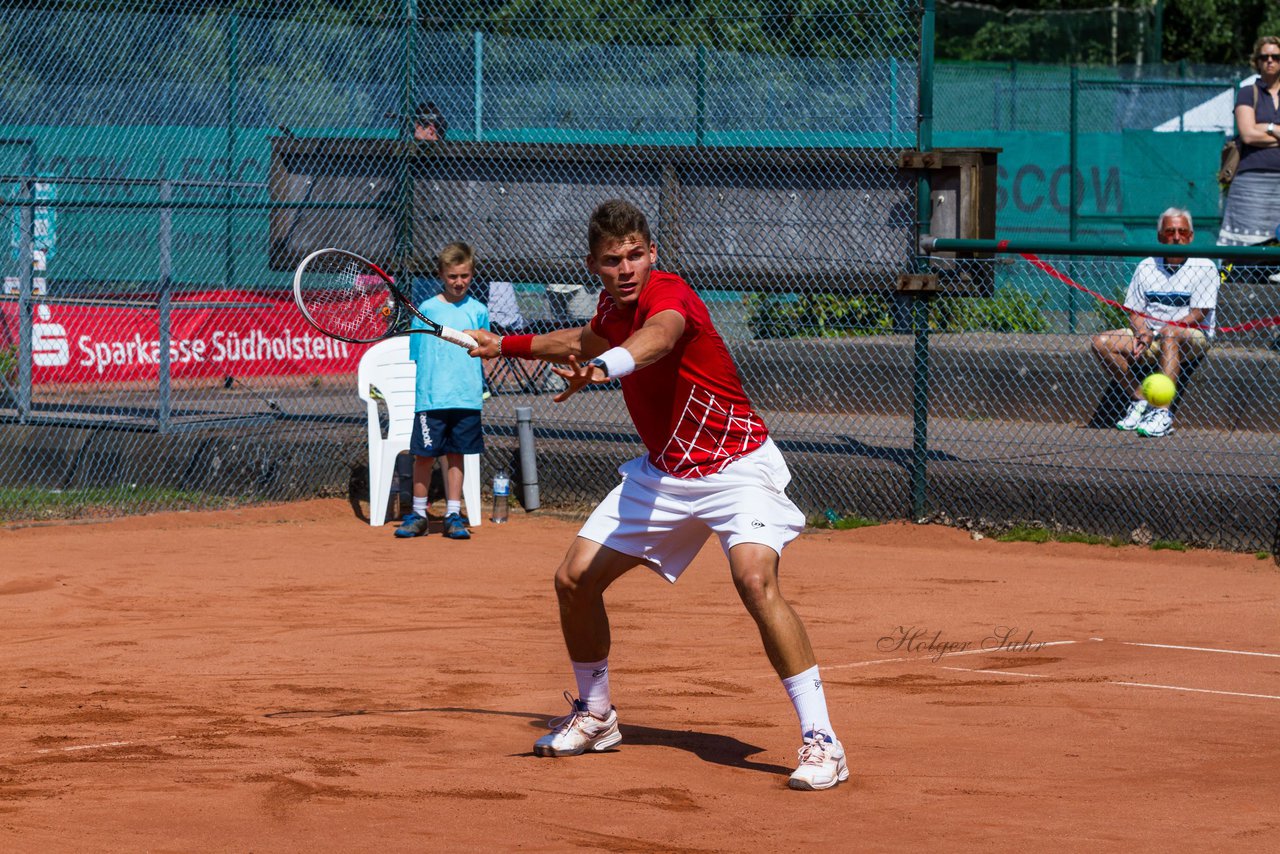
(1036, 378)
(1206, 485)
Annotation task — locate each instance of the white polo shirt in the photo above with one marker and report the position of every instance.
(1166, 294)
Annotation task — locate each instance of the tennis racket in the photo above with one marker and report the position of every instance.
(352, 299)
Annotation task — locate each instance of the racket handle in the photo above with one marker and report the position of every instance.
(462, 339)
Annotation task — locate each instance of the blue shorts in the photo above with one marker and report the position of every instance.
(437, 432)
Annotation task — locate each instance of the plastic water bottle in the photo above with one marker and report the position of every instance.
(501, 497)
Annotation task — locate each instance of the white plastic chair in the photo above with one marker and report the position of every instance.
(387, 367)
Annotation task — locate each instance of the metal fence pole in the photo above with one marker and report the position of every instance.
(920, 304)
(26, 230)
(920, 407)
(233, 83)
(404, 214)
(1182, 96)
(700, 98)
(894, 107)
(1013, 95)
(478, 95)
(164, 308)
(1073, 167)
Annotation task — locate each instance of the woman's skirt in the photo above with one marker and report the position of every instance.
(1252, 211)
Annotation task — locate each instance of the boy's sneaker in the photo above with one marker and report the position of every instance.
(578, 732)
(1133, 417)
(455, 528)
(412, 525)
(822, 763)
(1157, 422)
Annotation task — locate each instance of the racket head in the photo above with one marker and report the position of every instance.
(348, 297)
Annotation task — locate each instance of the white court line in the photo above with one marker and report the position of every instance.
(923, 657)
(1202, 649)
(108, 744)
(103, 745)
(1000, 672)
(83, 747)
(1129, 684)
(1197, 690)
(1168, 688)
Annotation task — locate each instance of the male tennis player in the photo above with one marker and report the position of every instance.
(710, 467)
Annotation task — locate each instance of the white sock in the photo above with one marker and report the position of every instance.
(593, 685)
(452, 507)
(420, 505)
(805, 691)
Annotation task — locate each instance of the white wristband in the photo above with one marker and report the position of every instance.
(618, 361)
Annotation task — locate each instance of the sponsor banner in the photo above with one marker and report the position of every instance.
(255, 334)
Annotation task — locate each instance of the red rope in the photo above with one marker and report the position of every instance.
(1260, 323)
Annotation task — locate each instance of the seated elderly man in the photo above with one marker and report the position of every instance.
(1173, 288)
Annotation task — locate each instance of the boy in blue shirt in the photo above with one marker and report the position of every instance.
(449, 394)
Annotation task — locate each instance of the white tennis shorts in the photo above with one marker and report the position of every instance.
(664, 520)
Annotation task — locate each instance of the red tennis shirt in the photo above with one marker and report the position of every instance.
(689, 407)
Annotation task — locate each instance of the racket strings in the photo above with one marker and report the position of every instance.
(346, 298)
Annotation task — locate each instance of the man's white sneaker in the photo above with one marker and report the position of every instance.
(822, 763)
(1133, 417)
(578, 732)
(1157, 422)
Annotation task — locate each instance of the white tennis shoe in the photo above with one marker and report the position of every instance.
(578, 732)
(1157, 422)
(822, 764)
(1133, 417)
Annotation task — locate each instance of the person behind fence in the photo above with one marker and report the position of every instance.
(1252, 208)
(711, 467)
(429, 124)
(449, 397)
(1172, 288)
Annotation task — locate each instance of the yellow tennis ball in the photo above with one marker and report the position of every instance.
(1159, 390)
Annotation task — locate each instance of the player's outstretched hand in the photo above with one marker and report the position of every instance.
(490, 344)
(577, 375)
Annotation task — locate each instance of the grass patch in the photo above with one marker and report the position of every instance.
(1262, 555)
(1168, 545)
(1090, 539)
(831, 521)
(1037, 534)
(1025, 534)
(33, 503)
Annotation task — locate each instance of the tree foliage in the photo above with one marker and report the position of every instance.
(1213, 32)
(1049, 31)
(1045, 31)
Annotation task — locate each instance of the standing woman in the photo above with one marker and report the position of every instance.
(1252, 209)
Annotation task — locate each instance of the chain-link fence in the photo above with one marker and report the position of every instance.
(166, 165)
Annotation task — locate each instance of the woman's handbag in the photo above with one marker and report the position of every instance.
(1230, 161)
(1230, 157)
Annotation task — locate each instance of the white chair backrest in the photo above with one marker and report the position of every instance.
(387, 366)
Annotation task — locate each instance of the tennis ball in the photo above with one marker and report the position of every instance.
(1158, 389)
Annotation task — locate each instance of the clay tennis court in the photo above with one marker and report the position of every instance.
(287, 678)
